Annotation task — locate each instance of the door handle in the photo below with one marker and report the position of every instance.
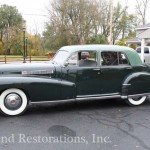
(128, 68)
(97, 69)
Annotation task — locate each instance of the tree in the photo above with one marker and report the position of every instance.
(11, 23)
(85, 22)
(141, 8)
(35, 46)
(123, 23)
(71, 22)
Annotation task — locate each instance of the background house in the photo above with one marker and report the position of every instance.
(142, 32)
(142, 38)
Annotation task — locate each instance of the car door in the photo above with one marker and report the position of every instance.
(88, 81)
(88, 74)
(84, 71)
(114, 68)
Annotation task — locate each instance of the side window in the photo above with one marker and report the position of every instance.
(113, 58)
(146, 50)
(123, 59)
(87, 59)
(109, 58)
(138, 50)
(73, 59)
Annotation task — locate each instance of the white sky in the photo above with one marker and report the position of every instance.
(38, 8)
(33, 11)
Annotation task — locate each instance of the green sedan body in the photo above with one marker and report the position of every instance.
(81, 72)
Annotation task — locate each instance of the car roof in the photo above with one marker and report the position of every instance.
(131, 53)
(97, 47)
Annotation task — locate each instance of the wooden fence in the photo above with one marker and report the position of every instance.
(8, 58)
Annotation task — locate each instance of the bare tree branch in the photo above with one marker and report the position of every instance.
(141, 8)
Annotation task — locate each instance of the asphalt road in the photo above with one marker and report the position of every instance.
(96, 125)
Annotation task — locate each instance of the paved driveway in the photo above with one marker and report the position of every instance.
(96, 125)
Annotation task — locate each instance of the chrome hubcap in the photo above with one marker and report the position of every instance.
(13, 101)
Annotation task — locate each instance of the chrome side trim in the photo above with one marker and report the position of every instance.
(79, 99)
(97, 98)
(126, 84)
(135, 95)
(97, 95)
(54, 101)
(124, 97)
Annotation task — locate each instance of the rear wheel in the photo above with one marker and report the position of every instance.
(13, 102)
(136, 100)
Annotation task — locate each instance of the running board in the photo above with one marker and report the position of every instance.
(79, 99)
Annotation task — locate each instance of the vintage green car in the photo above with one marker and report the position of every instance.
(82, 72)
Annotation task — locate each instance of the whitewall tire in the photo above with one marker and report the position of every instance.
(13, 102)
(136, 101)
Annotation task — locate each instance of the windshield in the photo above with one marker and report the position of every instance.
(61, 56)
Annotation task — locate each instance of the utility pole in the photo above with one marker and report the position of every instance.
(111, 22)
(142, 49)
(26, 51)
(24, 44)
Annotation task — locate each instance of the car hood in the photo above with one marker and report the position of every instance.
(27, 68)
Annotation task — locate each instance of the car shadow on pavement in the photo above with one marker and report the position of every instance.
(80, 106)
(66, 107)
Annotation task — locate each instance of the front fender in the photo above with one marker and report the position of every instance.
(136, 83)
(40, 88)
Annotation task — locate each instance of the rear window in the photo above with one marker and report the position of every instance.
(109, 58)
(146, 50)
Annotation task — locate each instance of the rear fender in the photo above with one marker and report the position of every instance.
(136, 84)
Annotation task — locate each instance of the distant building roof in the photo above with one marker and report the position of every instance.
(133, 41)
(145, 34)
(146, 26)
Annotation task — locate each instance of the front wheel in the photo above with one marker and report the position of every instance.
(13, 102)
(136, 101)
